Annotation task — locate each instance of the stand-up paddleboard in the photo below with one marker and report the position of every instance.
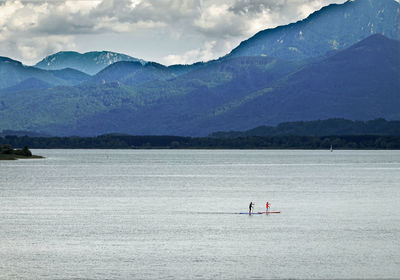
(257, 213)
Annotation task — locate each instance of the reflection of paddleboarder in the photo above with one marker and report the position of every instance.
(250, 207)
(267, 206)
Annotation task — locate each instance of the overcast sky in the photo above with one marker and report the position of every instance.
(166, 31)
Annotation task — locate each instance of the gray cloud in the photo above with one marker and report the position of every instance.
(30, 30)
(244, 7)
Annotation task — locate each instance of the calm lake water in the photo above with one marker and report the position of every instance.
(171, 214)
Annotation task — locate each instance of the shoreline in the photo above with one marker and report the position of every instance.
(16, 157)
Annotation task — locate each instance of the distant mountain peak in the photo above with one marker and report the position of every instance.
(377, 45)
(89, 62)
(378, 38)
(16, 76)
(334, 27)
(4, 59)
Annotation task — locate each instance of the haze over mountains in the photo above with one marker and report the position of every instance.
(330, 65)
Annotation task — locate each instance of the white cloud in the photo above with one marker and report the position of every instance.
(29, 30)
(31, 49)
(204, 53)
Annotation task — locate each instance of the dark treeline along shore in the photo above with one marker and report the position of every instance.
(321, 134)
(176, 142)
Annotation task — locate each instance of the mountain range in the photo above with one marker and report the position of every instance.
(89, 63)
(350, 70)
(334, 27)
(16, 76)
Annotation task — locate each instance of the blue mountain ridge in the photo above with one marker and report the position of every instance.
(13, 72)
(356, 80)
(358, 83)
(133, 73)
(332, 28)
(90, 62)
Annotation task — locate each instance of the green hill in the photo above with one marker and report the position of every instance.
(330, 127)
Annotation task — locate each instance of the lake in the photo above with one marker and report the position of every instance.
(172, 214)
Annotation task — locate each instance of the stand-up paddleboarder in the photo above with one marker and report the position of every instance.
(250, 207)
(267, 206)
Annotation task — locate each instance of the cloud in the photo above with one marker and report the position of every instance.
(205, 53)
(226, 23)
(31, 49)
(30, 30)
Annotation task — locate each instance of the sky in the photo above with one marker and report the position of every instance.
(165, 31)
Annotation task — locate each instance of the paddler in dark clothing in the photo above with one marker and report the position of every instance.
(250, 207)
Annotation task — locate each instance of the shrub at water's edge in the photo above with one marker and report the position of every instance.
(8, 153)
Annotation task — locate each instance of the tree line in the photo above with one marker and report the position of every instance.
(321, 128)
(177, 142)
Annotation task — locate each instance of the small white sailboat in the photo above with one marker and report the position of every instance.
(331, 149)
